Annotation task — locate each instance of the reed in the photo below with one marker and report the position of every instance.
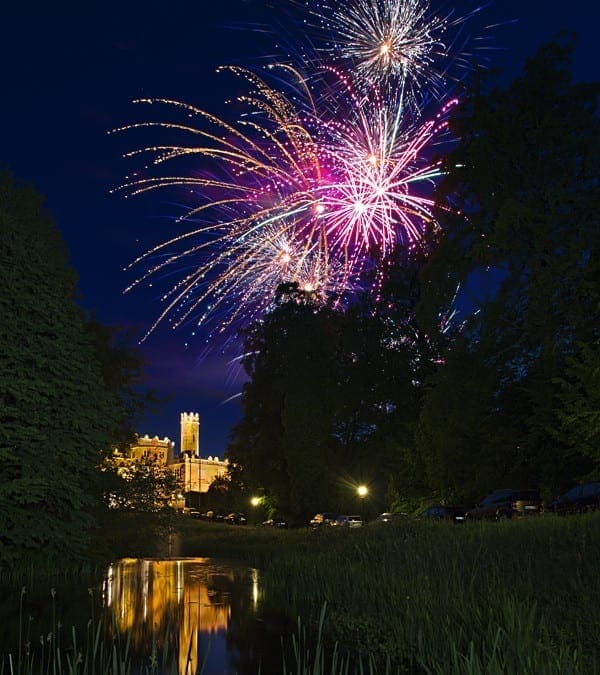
(103, 652)
(413, 597)
(514, 597)
(106, 652)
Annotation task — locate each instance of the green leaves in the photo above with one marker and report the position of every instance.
(57, 416)
(394, 389)
(528, 188)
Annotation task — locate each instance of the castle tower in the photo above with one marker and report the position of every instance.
(190, 434)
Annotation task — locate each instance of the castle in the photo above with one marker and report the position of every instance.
(195, 473)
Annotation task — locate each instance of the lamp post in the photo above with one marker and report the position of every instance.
(362, 491)
(255, 501)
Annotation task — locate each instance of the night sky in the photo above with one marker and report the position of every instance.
(69, 75)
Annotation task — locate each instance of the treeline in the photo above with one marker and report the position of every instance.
(69, 392)
(411, 391)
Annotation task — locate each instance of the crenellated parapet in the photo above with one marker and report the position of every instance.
(159, 450)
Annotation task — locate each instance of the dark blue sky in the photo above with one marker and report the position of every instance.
(69, 75)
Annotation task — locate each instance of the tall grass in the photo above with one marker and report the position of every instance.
(514, 597)
(413, 597)
(103, 651)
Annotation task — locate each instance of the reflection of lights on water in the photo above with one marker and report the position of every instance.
(255, 587)
(146, 568)
(191, 596)
(179, 581)
(109, 586)
(122, 600)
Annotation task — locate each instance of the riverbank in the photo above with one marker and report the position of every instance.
(514, 597)
(421, 597)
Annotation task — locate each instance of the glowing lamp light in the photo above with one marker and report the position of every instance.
(362, 490)
(255, 501)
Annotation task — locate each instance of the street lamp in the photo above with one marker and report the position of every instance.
(255, 502)
(362, 491)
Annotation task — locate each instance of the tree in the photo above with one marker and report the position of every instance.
(140, 485)
(282, 443)
(333, 396)
(579, 404)
(57, 416)
(522, 184)
(122, 371)
(225, 495)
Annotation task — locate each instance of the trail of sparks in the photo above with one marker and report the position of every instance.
(398, 45)
(316, 174)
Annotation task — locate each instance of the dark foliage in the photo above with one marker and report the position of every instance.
(57, 415)
(524, 177)
(399, 391)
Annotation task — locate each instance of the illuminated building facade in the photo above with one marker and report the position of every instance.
(190, 434)
(195, 473)
(155, 449)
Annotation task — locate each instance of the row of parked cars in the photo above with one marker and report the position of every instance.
(499, 505)
(230, 519)
(508, 504)
(505, 504)
(335, 520)
(236, 518)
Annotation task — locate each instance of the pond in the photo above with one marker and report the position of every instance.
(195, 614)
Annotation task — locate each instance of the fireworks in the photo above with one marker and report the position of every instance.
(383, 38)
(317, 173)
(399, 45)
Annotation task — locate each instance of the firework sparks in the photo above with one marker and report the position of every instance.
(256, 208)
(377, 200)
(317, 173)
(395, 44)
(386, 38)
(289, 195)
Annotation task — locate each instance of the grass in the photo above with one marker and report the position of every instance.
(514, 597)
(409, 597)
(102, 651)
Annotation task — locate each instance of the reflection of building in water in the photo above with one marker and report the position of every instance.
(191, 597)
(195, 473)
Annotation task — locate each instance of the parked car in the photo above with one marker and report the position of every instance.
(348, 521)
(321, 519)
(235, 519)
(275, 522)
(581, 498)
(195, 514)
(507, 504)
(390, 517)
(440, 512)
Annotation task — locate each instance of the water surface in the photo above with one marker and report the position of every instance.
(206, 615)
